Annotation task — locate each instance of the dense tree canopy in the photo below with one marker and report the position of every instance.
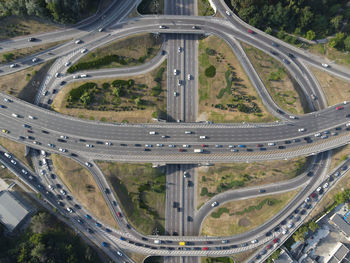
(62, 11)
(324, 17)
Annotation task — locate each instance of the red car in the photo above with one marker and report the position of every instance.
(181, 150)
(339, 108)
(250, 31)
(269, 246)
(275, 240)
(205, 248)
(313, 195)
(119, 214)
(259, 145)
(30, 131)
(203, 145)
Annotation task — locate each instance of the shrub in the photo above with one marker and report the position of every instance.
(75, 94)
(204, 191)
(210, 72)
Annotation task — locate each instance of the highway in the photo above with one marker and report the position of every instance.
(85, 141)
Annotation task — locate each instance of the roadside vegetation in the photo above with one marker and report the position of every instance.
(223, 177)
(6, 57)
(24, 84)
(61, 11)
(83, 187)
(341, 57)
(204, 8)
(237, 217)
(308, 19)
(126, 52)
(46, 240)
(282, 87)
(225, 91)
(122, 100)
(336, 89)
(140, 190)
(151, 7)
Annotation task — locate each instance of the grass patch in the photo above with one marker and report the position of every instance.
(284, 90)
(141, 193)
(16, 149)
(23, 52)
(14, 26)
(204, 8)
(217, 260)
(223, 177)
(339, 57)
(151, 7)
(229, 96)
(245, 215)
(83, 187)
(130, 100)
(336, 89)
(129, 51)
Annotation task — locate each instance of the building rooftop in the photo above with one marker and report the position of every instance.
(339, 221)
(12, 212)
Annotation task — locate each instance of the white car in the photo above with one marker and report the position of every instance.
(31, 117)
(159, 145)
(35, 60)
(179, 82)
(108, 143)
(13, 65)
(13, 162)
(292, 117)
(301, 129)
(24, 171)
(325, 65)
(325, 185)
(254, 241)
(15, 115)
(119, 253)
(161, 27)
(214, 204)
(348, 124)
(202, 137)
(8, 155)
(62, 150)
(63, 192)
(318, 188)
(51, 187)
(100, 30)
(290, 225)
(186, 146)
(189, 76)
(63, 137)
(175, 72)
(317, 134)
(88, 145)
(88, 164)
(67, 63)
(271, 144)
(84, 50)
(179, 49)
(185, 174)
(284, 231)
(78, 41)
(228, 13)
(175, 93)
(69, 210)
(171, 145)
(57, 75)
(76, 76)
(188, 132)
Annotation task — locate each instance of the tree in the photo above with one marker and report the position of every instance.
(39, 252)
(347, 43)
(337, 41)
(8, 56)
(210, 71)
(336, 22)
(310, 35)
(268, 30)
(313, 226)
(41, 222)
(299, 235)
(306, 17)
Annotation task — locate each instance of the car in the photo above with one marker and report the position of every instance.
(171, 145)
(271, 144)
(63, 192)
(275, 44)
(15, 115)
(162, 27)
(189, 76)
(2, 106)
(269, 246)
(89, 145)
(24, 171)
(254, 241)
(35, 60)
(70, 210)
(317, 134)
(62, 150)
(80, 221)
(292, 117)
(13, 162)
(205, 248)
(31, 39)
(98, 224)
(214, 204)
(5, 131)
(67, 63)
(286, 61)
(88, 164)
(14, 65)
(291, 55)
(51, 145)
(104, 244)
(234, 150)
(301, 129)
(78, 41)
(119, 214)
(100, 29)
(325, 65)
(218, 146)
(291, 225)
(251, 31)
(148, 145)
(186, 145)
(179, 82)
(339, 108)
(84, 50)
(324, 137)
(175, 72)
(179, 49)
(276, 240)
(90, 230)
(188, 132)
(175, 93)
(195, 27)
(262, 190)
(119, 253)
(108, 143)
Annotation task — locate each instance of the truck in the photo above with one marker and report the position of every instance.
(198, 150)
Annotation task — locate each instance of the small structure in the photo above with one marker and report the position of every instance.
(12, 211)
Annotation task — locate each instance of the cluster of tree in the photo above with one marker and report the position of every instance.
(62, 11)
(158, 78)
(84, 93)
(300, 234)
(47, 240)
(210, 71)
(319, 18)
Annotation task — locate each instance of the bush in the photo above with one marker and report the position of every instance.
(220, 211)
(100, 62)
(210, 51)
(210, 72)
(8, 56)
(75, 94)
(204, 191)
(156, 90)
